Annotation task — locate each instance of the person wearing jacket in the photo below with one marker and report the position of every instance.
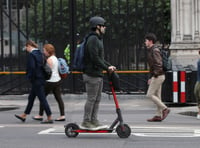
(35, 74)
(197, 88)
(92, 74)
(53, 84)
(156, 79)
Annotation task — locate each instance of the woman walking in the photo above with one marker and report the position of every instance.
(53, 84)
(35, 74)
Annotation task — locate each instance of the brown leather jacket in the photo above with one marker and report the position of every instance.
(155, 61)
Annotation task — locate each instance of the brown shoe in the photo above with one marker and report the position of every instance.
(165, 112)
(155, 119)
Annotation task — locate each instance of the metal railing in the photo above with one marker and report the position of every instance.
(59, 21)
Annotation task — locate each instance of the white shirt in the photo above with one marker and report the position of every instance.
(55, 77)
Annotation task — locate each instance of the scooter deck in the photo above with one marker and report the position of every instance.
(100, 129)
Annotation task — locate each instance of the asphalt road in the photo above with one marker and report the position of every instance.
(177, 130)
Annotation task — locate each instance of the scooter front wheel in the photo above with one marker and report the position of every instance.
(123, 131)
(70, 130)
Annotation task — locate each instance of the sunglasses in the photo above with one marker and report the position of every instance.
(102, 25)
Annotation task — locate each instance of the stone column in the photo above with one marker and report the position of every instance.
(185, 35)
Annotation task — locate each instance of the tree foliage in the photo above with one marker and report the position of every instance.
(123, 16)
(127, 22)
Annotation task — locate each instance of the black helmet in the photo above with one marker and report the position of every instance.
(96, 20)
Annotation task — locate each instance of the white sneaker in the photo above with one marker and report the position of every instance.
(198, 116)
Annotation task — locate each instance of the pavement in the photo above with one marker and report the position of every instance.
(8, 102)
(135, 108)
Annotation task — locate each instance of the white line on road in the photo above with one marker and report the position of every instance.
(166, 135)
(140, 131)
(47, 131)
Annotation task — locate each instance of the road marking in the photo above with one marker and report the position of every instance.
(166, 135)
(29, 125)
(139, 131)
(47, 131)
(165, 132)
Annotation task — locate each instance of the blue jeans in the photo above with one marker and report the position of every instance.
(37, 90)
(94, 86)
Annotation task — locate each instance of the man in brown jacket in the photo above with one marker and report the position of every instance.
(156, 79)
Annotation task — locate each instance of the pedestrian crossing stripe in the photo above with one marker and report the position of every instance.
(48, 131)
(138, 131)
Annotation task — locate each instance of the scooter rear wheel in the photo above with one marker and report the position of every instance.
(123, 131)
(70, 130)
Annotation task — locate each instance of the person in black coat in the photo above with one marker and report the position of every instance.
(92, 74)
(35, 74)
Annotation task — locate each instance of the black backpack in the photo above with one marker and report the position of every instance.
(165, 58)
(78, 61)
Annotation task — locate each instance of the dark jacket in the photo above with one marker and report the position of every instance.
(34, 70)
(94, 56)
(155, 61)
(198, 70)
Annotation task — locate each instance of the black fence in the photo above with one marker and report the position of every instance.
(63, 22)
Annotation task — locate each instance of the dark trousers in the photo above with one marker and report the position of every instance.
(37, 90)
(55, 88)
(197, 93)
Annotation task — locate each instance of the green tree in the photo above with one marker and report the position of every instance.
(127, 23)
(52, 17)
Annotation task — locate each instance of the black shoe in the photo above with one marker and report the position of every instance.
(47, 122)
(20, 118)
(38, 119)
(62, 119)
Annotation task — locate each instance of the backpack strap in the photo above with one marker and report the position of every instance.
(88, 35)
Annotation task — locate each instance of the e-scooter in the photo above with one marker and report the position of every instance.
(122, 129)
